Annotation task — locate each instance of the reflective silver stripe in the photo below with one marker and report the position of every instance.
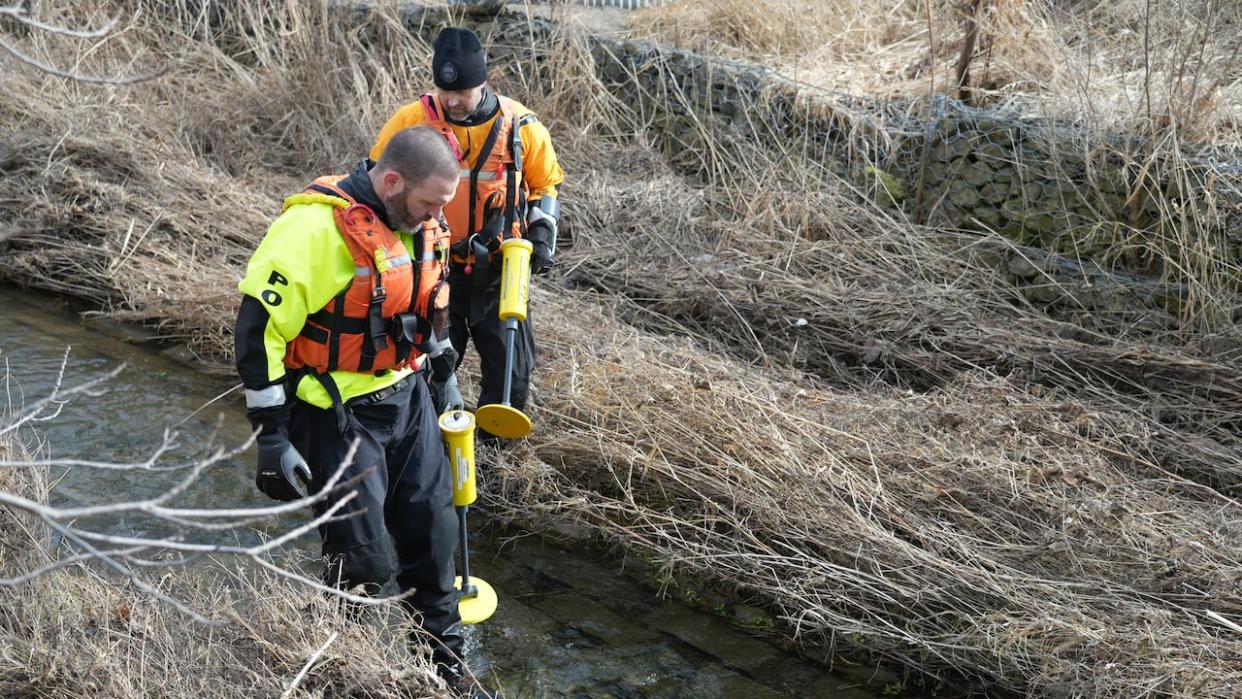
(398, 261)
(428, 257)
(266, 397)
(361, 271)
(483, 176)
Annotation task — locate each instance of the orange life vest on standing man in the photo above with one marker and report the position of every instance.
(494, 180)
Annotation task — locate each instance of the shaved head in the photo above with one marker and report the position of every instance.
(415, 177)
(417, 153)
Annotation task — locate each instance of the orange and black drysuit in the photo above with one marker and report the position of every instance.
(507, 182)
(339, 313)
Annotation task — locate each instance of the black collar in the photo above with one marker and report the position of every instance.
(358, 185)
(488, 106)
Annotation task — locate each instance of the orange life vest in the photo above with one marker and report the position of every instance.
(496, 176)
(395, 309)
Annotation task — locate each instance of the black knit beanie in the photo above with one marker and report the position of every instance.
(458, 62)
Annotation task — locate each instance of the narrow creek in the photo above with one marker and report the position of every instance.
(570, 623)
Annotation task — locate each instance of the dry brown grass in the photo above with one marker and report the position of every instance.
(78, 632)
(1110, 64)
(806, 278)
(1023, 539)
(925, 467)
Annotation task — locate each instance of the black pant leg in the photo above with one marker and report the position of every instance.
(355, 548)
(423, 523)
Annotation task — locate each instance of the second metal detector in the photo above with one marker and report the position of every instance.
(502, 419)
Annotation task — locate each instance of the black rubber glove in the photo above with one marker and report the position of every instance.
(493, 230)
(541, 232)
(278, 461)
(445, 394)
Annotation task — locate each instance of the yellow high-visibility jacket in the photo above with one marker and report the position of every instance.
(301, 264)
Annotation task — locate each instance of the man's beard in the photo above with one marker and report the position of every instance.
(399, 215)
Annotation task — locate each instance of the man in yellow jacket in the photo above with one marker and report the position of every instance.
(507, 186)
(344, 300)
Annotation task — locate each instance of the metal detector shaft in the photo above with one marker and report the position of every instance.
(467, 588)
(478, 601)
(511, 326)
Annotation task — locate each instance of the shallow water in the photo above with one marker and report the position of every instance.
(569, 624)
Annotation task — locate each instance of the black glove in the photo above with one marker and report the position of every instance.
(278, 461)
(493, 230)
(445, 394)
(541, 232)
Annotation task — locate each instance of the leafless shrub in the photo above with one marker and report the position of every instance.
(91, 611)
(19, 15)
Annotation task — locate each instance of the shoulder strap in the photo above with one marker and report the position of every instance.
(439, 124)
(429, 106)
(330, 190)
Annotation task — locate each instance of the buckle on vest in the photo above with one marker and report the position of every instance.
(379, 294)
(405, 327)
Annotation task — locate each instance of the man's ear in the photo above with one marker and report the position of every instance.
(393, 182)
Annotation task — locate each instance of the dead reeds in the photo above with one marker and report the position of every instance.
(785, 391)
(1128, 65)
(978, 526)
(69, 629)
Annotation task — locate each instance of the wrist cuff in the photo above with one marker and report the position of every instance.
(269, 397)
(273, 420)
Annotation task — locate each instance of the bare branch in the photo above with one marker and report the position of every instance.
(58, 397)
(305, 668)
(203, 407)
(328, 589)
(61, 563)
(19, 13)
(178, 545)
(128, 573)
(126, 555)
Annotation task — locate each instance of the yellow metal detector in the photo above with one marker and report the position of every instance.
(478, 599)
(502, 419)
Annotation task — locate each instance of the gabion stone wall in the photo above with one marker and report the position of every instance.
(1070, 191)
(1104, 202)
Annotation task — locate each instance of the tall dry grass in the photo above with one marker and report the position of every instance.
(785, 391)
(1129, 64)
(1166, 73)
(79, 631)
(1024, 541)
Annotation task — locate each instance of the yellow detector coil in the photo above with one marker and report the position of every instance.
(478, 607)
(504, 421)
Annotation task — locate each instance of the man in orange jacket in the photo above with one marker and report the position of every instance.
(507, 187)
